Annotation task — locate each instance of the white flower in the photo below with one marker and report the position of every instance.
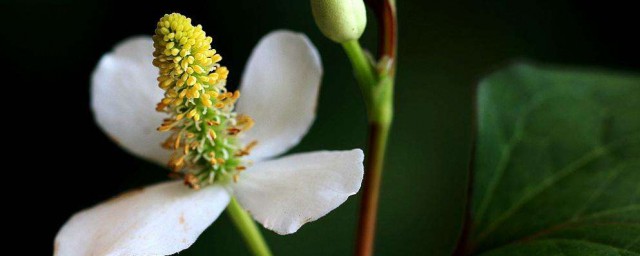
(280, 87)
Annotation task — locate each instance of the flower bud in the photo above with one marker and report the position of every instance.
(340, 20)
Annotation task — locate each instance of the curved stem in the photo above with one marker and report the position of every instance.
(385, 11)
(248, 229)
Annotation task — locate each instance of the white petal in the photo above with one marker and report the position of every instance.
(285, 193)
(279, 91)
(158, 220)
(124, 94)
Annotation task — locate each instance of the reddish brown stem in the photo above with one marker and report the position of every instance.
(378, 134)
(385, 11)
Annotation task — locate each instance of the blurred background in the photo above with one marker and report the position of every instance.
(444, 48)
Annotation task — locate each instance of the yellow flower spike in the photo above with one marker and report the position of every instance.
(202, 118)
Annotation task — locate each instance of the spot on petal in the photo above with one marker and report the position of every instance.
(181, 219)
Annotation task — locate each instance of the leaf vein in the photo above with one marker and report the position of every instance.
(572, 167)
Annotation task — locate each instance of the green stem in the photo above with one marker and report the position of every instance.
(364, 71)
(248, 229)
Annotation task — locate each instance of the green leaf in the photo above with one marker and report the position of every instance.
(557, 168)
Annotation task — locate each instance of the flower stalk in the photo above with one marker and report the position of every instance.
(376, 82)
(362, 67)
(248, 228)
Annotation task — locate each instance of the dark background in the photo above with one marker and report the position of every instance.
(445, 47)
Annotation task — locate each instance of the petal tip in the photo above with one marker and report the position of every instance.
(359, 153)
(162, 219)
(292, 36)
(284, 67)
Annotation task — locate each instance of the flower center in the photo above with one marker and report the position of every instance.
(203, 125)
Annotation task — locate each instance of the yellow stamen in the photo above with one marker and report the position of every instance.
(192, 113)
(233, 131)
(176, 163)
(192, 181)
(251, 145)
(177, 143)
